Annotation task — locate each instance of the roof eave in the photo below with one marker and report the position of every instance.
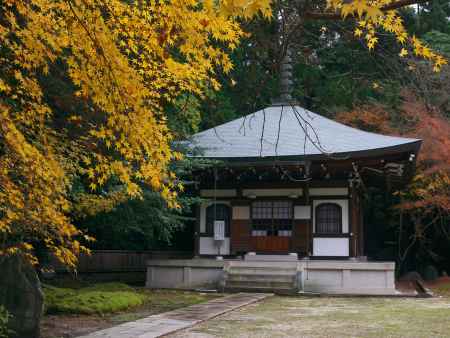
(411, 147)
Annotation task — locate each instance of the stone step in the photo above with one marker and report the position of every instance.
(251, 284)
(293, 257)
(270, 269)
(279, 291)
(261, 271)
(290, 278)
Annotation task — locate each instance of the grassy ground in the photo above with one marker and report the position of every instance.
(442, 289)
(80, 308)
(332, 317)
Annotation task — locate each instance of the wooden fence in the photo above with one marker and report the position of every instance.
(113, 261)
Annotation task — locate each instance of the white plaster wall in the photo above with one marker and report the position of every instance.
(208, 246)
(241, 212)
(345, 211)
(218, 192)
(203, 207)
(272, 192)
(330, 246)
(302, 212)
(328, 191)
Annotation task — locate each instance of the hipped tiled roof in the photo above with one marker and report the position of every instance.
(293, 132)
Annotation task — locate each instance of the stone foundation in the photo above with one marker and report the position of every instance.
(316, 276)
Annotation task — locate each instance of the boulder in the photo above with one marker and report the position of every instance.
(21, 295)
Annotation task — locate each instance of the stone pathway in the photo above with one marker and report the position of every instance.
(165, 323)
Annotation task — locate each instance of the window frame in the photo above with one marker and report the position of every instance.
(316, 220)
(209, 230)
(270, 226)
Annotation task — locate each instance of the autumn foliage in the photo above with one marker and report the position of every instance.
(125, 61)
(381, 15)
(425, 200)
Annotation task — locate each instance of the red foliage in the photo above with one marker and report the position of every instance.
(431, 186)
(433, 129)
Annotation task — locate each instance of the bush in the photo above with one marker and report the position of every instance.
(97, 299)
(4, 319)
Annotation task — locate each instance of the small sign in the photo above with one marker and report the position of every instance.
(219, 230)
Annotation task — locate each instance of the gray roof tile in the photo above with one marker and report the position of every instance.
(279, 131)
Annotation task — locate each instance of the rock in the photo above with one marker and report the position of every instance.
(21, 295)
(430, 273)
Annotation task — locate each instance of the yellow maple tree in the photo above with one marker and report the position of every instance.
(126, 59)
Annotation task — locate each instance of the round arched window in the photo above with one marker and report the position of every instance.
(328, 218)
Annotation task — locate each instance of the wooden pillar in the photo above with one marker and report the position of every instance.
(309, 224)
(197, 231)
(361, 249)
(354, 221)
(357, 227)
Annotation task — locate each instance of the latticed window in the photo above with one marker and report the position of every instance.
(272, 218)
(328, 218)
(217, 212)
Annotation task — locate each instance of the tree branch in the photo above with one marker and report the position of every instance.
(337, 15)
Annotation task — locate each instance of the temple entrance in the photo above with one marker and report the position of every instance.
(270, 244)
(271, 226)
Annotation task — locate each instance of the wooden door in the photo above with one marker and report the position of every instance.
(271, 244)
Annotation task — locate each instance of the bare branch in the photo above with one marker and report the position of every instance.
(279, 131)
(262, 133)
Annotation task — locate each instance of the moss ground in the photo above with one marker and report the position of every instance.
(75, 308)
(106, 298)
(98, 299)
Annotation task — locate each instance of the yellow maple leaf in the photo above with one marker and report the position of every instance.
(358, 32)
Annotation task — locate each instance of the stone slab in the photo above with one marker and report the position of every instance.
(169, 322)
(194, 262)
(292, 257)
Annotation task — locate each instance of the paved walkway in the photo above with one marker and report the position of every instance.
(165, 323)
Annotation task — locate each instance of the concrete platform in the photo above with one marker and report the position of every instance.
(344, 276)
